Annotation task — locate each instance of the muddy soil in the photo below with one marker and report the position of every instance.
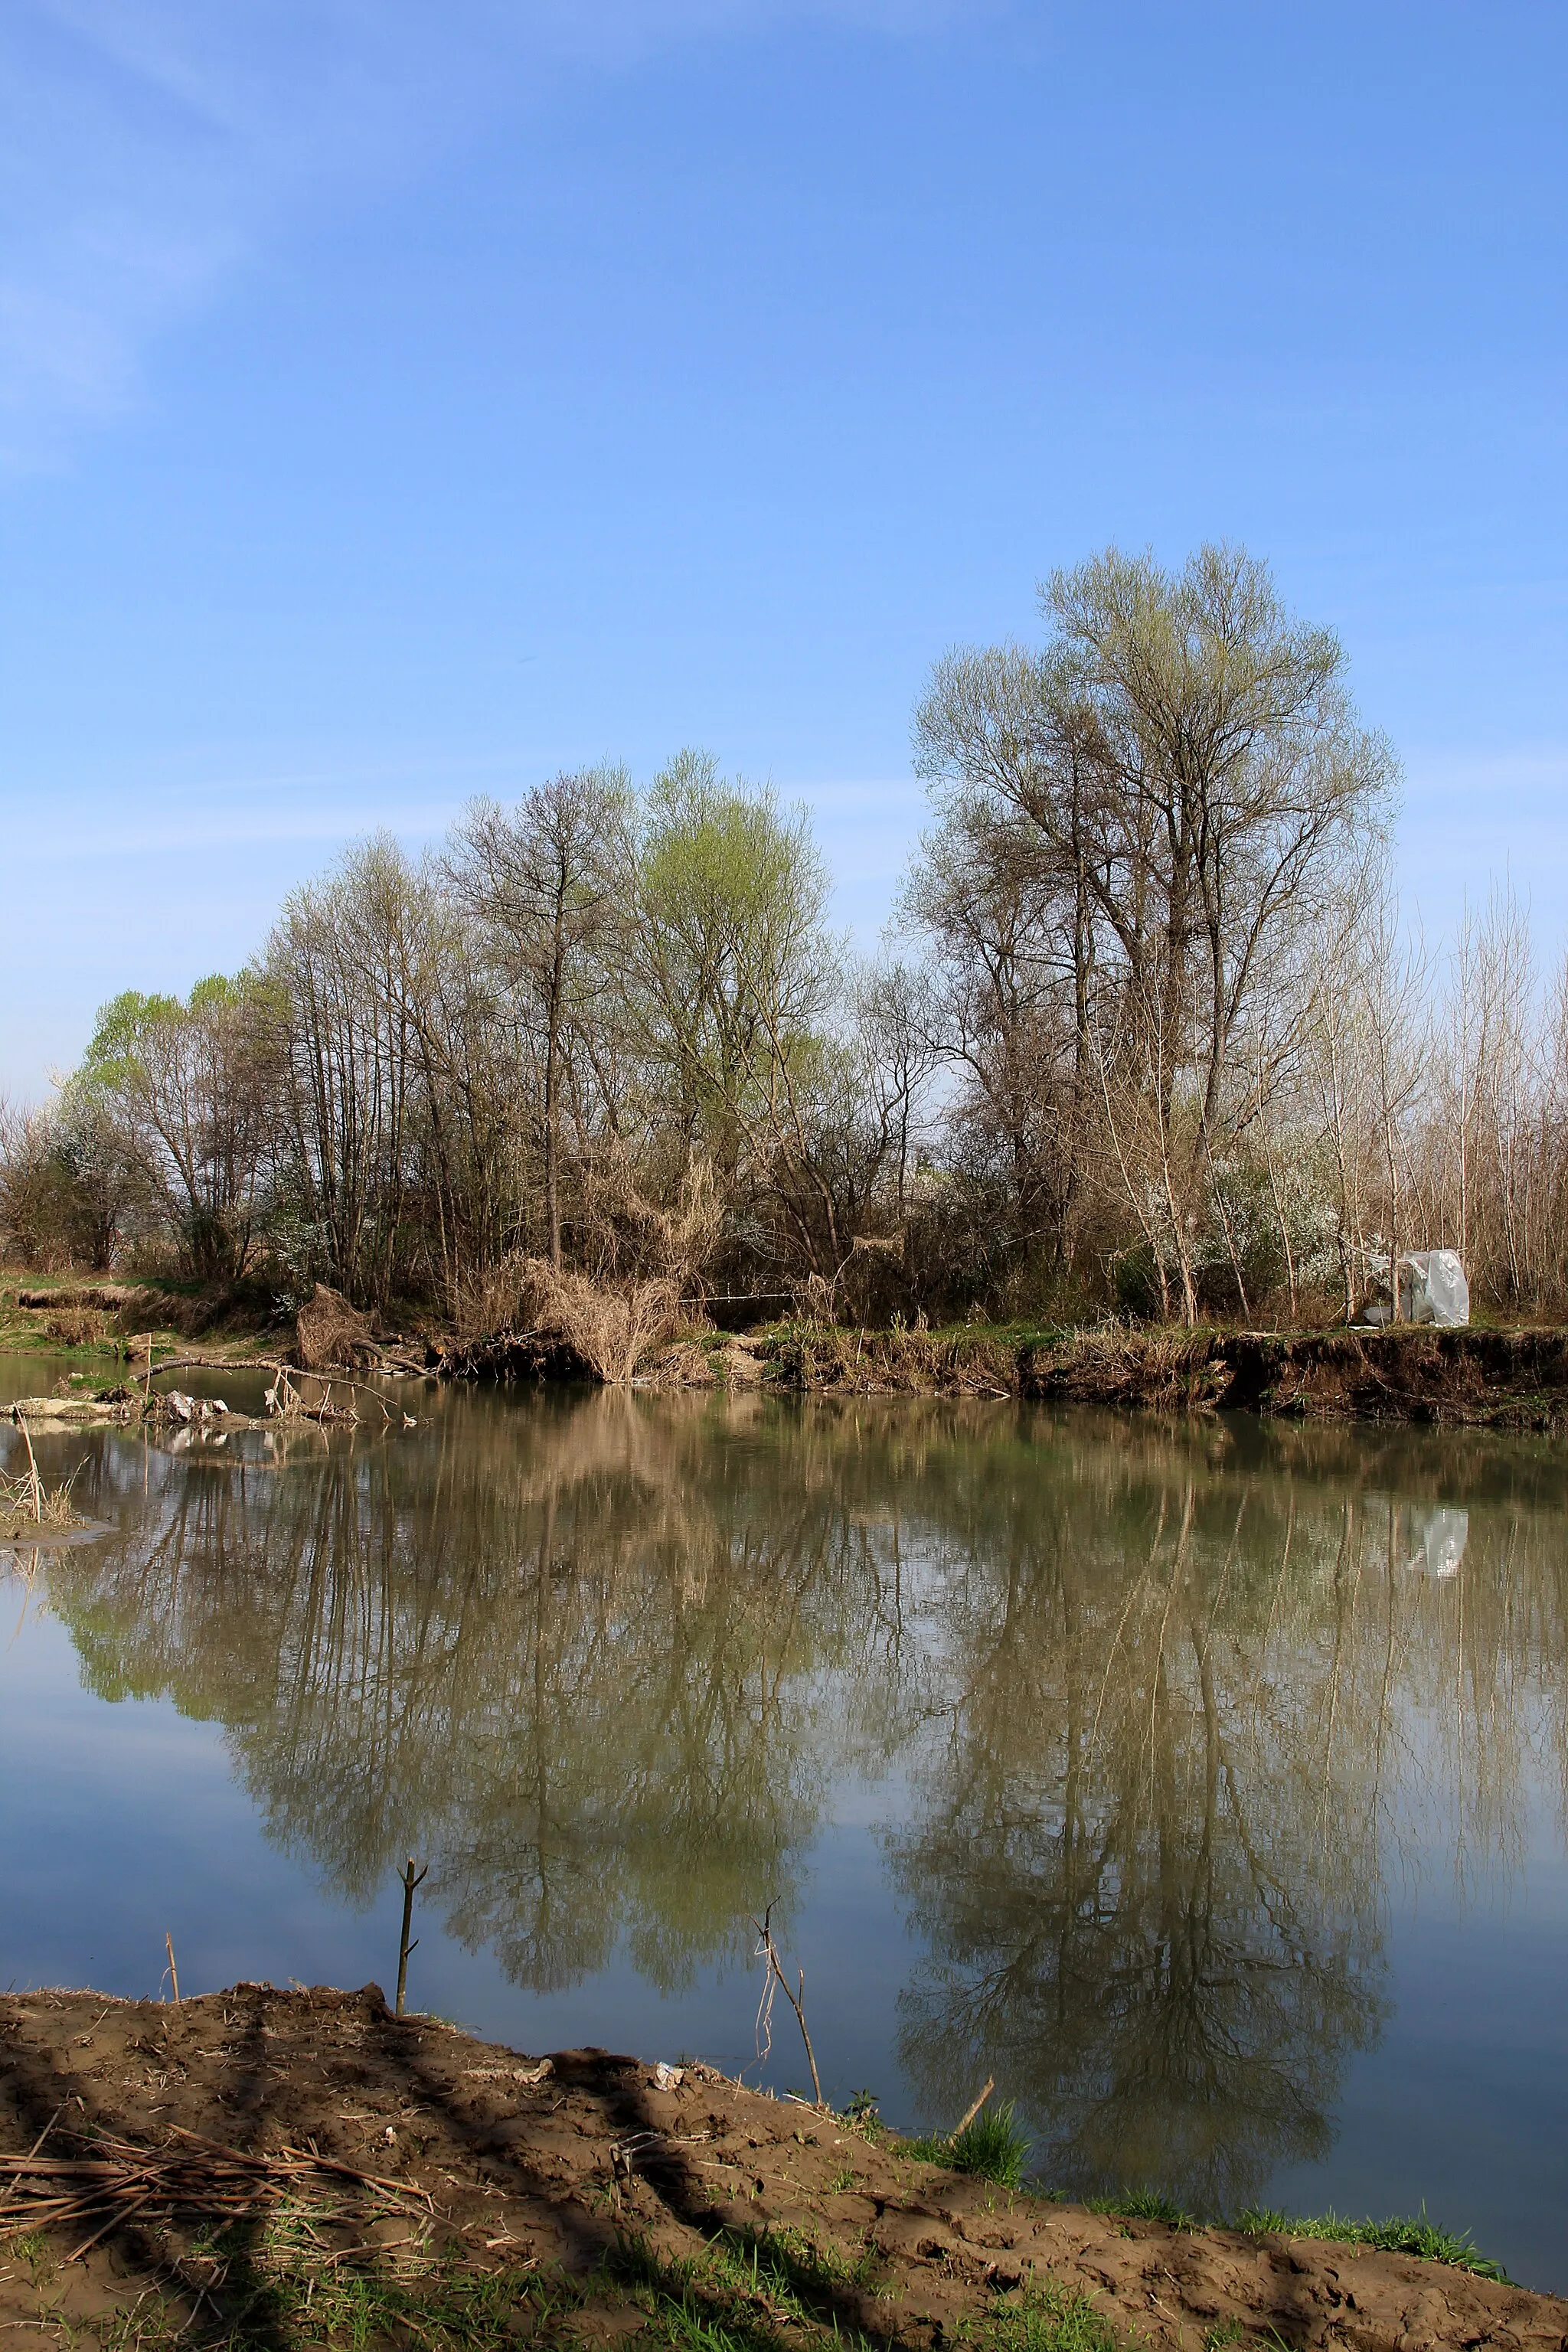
(560, 2172)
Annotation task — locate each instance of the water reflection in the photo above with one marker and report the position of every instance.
(1167, 1707)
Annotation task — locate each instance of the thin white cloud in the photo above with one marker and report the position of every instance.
(148, 146)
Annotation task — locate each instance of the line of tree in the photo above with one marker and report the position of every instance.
(1146, 1030)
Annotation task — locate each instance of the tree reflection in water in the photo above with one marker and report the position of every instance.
(1168, 1703)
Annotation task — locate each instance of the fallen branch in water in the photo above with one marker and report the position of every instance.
(284, 1378)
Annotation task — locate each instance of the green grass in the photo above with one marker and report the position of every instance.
(1042, 2316)
(994, 2146)
(744, 2289)
(1400, 2234)
(1144, 2205)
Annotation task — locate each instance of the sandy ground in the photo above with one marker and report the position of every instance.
(492, 2162)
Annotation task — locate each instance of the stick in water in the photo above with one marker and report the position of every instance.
(33, 1468)
(973, 2107)
(410, 1879)
(770, 1953)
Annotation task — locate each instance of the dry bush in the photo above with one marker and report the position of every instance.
(78, 1327)
(486, 1302)
(608, 1325)
(328, 1332)
(647, 1260)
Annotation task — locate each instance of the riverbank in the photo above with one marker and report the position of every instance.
(1476, 1377)
(277, 2170)
(1479, 1377)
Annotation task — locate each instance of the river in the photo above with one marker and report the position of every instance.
(1206, 1784)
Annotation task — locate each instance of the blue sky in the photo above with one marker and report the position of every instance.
(403, 398)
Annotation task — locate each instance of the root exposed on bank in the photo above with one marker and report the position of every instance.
(272, 2171)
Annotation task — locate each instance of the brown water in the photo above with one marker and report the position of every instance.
(1205, 1785)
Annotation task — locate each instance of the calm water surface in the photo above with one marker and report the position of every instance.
(1205, 1785)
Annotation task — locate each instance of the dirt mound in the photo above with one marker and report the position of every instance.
(107, 1298)
(377, 2176)
(332, 1336)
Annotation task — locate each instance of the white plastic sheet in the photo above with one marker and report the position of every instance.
(1442, 1293)
(1432, 1289)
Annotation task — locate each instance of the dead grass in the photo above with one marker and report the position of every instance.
(610, 1325)
(26, 1501)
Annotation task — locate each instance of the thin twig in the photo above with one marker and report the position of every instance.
(769, 1951)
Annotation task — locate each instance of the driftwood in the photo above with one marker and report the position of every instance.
(533, 1355)
(114, 2180)
(283, 1399)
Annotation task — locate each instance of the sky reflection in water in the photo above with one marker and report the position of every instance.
(1205, 1785)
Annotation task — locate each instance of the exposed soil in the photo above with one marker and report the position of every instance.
(1499, 1380)
(592, 2200)
(1475, 1377)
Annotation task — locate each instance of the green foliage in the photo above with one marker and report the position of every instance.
(862, 2111)
(1400, 2234)
(737, 972)
(992, 2148)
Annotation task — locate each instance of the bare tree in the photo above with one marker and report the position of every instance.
(548, 883)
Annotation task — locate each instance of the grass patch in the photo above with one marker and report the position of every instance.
(1400, 2234)
(1144, 2205)
(994, 2147)
(744, 2289)
(268, 2289)
(1042, 2316)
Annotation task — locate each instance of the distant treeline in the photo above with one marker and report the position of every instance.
(1145, 1030)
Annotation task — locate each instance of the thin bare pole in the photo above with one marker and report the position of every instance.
(410, 1878)
(33, 1469)
(973, 2107)
(173, 1972)
(769, 1952)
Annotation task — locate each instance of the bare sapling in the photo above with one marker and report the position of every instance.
(767, 1951)
(410, 1878)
